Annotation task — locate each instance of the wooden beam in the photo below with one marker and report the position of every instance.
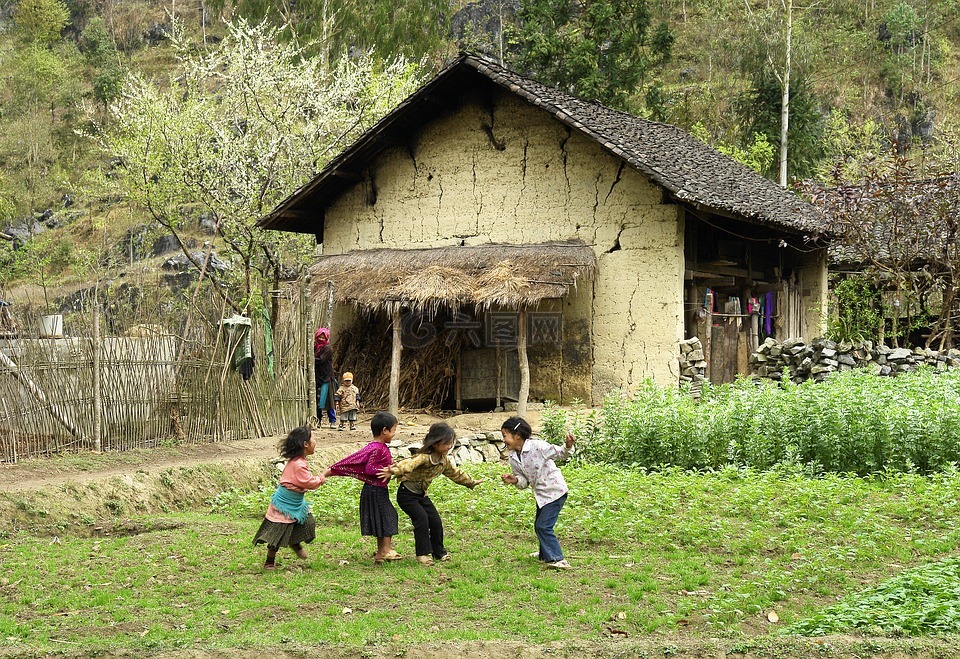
(347, 174)
(705, 270)
(395, 363)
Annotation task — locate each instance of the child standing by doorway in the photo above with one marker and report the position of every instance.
(532, 465)
(348, 401)
(415, 475)
(378, 517)
(288, 521)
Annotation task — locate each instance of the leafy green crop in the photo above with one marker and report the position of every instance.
(854, 422)
(922, 601)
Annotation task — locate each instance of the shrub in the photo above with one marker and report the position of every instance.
(853, 422)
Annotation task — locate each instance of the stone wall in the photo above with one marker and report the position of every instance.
(821, 357)
(693, 366)
(468, 449)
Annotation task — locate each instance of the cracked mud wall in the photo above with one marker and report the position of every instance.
(813, 292)
(500, 170)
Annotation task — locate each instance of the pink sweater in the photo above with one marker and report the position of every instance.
(365, 463)
(296, 476)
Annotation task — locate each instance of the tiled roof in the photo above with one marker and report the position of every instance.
(690, 170)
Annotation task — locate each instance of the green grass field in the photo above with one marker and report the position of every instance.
(700, 555)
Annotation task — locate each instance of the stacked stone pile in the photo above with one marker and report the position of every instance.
(473, 448)
(693, 366)
(821, 357)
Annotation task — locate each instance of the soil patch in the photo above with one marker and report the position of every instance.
(80, 468)
(660, 646)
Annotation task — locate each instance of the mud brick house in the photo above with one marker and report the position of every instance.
(486, 195)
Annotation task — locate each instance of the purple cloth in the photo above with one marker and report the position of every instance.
(768, 314)
(364, 464)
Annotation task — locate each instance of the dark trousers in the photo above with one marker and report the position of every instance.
(427, 526)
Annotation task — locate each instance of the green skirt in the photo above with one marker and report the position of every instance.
(278, 534)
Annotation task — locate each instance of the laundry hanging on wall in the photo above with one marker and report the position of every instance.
(238, 339)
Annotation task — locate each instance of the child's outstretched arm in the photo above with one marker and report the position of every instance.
(515, 478)
(555, 452)
(403, 467)
(459, 477)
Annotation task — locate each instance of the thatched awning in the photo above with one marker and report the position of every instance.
(482, 276)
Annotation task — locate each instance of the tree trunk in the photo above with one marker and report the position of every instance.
(785, 101)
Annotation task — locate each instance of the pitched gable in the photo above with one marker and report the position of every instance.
(689, 170)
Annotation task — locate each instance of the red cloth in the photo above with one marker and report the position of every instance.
(364, 464)
(320, 338)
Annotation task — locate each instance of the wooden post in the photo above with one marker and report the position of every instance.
(311, 402)
(707, 338)
(524, 364)
(95, 351)
(458, 381)
(395, 363)
(499, 358)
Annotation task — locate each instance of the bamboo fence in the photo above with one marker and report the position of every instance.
(161, 376)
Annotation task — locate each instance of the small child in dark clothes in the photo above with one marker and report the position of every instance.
(378, 517)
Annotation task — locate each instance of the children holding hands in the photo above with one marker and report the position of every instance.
(532, 464)
(415, 475)
(288, 521)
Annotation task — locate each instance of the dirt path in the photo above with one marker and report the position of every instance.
(45, 473)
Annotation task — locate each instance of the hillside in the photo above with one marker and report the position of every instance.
(864, 75)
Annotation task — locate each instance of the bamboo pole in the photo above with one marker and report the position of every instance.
(524, 364)
(37, 393)
(329, 310)
(95, 353)
(311, 402)
(395, 364)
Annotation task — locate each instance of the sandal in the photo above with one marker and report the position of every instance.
(269, 565)
(392, 556)
(560, 565)
(425, 560)
(446, 557)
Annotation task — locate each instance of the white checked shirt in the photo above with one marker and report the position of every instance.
(534, 467)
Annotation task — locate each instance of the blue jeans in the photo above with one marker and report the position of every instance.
(323, 400)
(543, 524)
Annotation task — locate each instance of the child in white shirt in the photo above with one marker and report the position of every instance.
(532, 464)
